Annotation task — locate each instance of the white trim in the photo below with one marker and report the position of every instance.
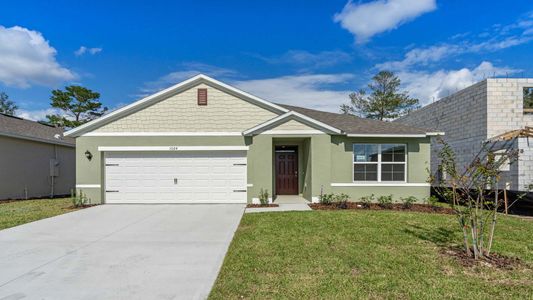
(379, 184)
(379, 163)
(291, 115)
(385, 135)
(407, 135)
(291, 132)
(435, 133)
(162, 133)
(173, 148)
(88, 186)
(36, 139)
(162, 94)
(249, 185)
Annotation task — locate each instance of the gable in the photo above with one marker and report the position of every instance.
(224, 112)
(292, 125)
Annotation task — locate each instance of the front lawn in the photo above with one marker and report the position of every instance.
(367, 254)
(19, 212)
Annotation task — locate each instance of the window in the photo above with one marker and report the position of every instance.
(379, 162)
(528, 100)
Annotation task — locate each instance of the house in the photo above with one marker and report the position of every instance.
(484, 110)
(35, 160)
(204, 141)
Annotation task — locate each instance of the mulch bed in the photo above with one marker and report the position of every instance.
(261, 205)
(494, 260)
(81, 207)
(374, 206)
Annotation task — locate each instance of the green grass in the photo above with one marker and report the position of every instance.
(366, 254)
(20, 212)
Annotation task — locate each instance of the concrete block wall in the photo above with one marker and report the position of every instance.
(474, 114)
(462, 116)
(505, 111)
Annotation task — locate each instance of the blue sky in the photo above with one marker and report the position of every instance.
(306, 53)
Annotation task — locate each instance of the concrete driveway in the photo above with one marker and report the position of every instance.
(118, 252)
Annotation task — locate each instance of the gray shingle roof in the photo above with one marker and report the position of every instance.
(21, 128)
(355, 125)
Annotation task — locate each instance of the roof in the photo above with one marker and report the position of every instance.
(356, 126)
(332, 122)
(292, 115)
(16, 127)
(147, 101)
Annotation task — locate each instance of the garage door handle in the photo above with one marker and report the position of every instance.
(111, 191)
(111, 165)
(239, 164)
(239, 191)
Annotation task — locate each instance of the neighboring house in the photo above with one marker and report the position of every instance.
(35, 160)
(203, 141)
(482, 111)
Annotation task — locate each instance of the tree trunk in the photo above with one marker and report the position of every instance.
(493, 224)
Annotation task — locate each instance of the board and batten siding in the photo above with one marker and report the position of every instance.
(181, 113)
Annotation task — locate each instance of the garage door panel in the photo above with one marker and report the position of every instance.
(201, 177)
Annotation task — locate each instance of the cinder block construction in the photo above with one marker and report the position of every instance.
(470, 116)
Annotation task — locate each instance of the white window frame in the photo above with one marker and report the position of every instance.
(379, 163)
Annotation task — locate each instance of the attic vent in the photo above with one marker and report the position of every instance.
(202, 96)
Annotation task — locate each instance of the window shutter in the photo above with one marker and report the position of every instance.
(202, 96)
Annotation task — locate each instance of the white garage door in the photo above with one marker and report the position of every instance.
(175, 177)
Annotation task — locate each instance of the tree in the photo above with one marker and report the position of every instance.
(474, 193)
(7, 106)
(385, 101)
(79, 105)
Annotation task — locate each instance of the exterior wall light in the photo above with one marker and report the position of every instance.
(89, 155)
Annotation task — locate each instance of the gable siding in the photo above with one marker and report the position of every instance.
(292, 125)
(181, 113)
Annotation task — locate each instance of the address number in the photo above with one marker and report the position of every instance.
(173, 148)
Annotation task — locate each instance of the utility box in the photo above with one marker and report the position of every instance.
(54, 167)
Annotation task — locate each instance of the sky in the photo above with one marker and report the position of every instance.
(301, 52)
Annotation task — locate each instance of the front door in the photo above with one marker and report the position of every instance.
(287, 171)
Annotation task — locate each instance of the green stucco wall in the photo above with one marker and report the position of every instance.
(323, 159)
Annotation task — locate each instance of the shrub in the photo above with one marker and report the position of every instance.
(385, 201)
(431, 200)
(367, 200)
(263, 197)
(78, 199)
(408, 202)
(327, 199)
(341, 200)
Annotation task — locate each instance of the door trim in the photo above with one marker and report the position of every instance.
(286, 149)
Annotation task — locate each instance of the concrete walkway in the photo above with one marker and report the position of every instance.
(118, 252)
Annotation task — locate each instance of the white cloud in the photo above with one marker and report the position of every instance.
(187, 71)
(83, 50)
(26, 58)
(430, 86)
(312, 91)
(308, 60)
(497, 38)
(309, 90)
(365, 20)
(38, 114)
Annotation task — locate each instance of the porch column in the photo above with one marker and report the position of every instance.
(320, 164)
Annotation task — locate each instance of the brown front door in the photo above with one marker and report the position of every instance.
(287, 171)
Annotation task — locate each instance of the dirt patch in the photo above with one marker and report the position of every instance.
(374, 206)
(261, 205)
(494, 260)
